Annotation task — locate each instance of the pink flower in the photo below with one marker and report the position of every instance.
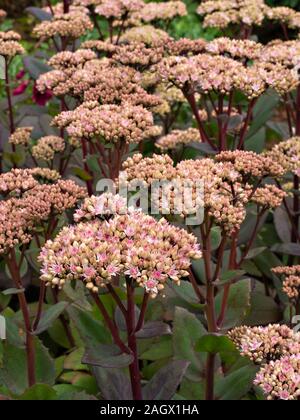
(112, 270)
(267, 388)
(89, 272)
(151, 286)
(133, 272)
(157, 275)
(101, 258)
(284, 395)
(56, 269)
(21, 74)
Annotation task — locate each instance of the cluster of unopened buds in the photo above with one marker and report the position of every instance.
(161, 11)
(69, 25)
(228, 182)
(46, 148)
(221, 14)
(21, 136)
(103, 206)
(147, 34)
(291, 283)
(287, 153)
(118, 9)
(136, 245)
(178, 138)
(206, 73)
(277, 349)
(10, 44)
(110, 123)
(30, 197)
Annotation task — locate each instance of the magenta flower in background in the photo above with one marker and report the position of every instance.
(41, 98)
(21, 88)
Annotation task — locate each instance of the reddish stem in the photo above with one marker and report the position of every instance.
(132, 343)
(110, 324)
(89, 182)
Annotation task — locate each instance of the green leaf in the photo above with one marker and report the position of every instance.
(282, 224)
(160, 349)
(216, 237)
(265, 262)
(39, 392)
(213, 343)
(164, 384)
(4, 301)
(12, 291)
(82, 174)
(186, 333)
(263, 111)
(35, 67)
(40, 14)
(14, 372)
(237, 384)
(73, 360)
(255, 252)
(49, 316)
(238, 303)
(113, 384)
(185, 292)
(289, 248)
(153, 329)
(264, 310)
(91, 331)
(107, 357)
(229, 276)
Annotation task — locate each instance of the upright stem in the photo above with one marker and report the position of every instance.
(89, 182)
(192, 101)
(9, 102)
(110, 324)
(30, 349)
(66, 6)
(64, 321)
(296, 210)
(246, 124)
(210, 376)
(132, 344)
(226, 293)
(210, 310)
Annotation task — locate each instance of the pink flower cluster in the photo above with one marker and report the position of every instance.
(161, 11)
(10, 45)
(291, 283)
(148, 251)
(46, 147)
(118, 9)
(287, 154)
(178, 138)
(206, 73)
(277, 349)
(21, 136)
(230, 182)
(110, 123)
(280, 379)
(29, 201)
(71, 25)
(103, 207)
